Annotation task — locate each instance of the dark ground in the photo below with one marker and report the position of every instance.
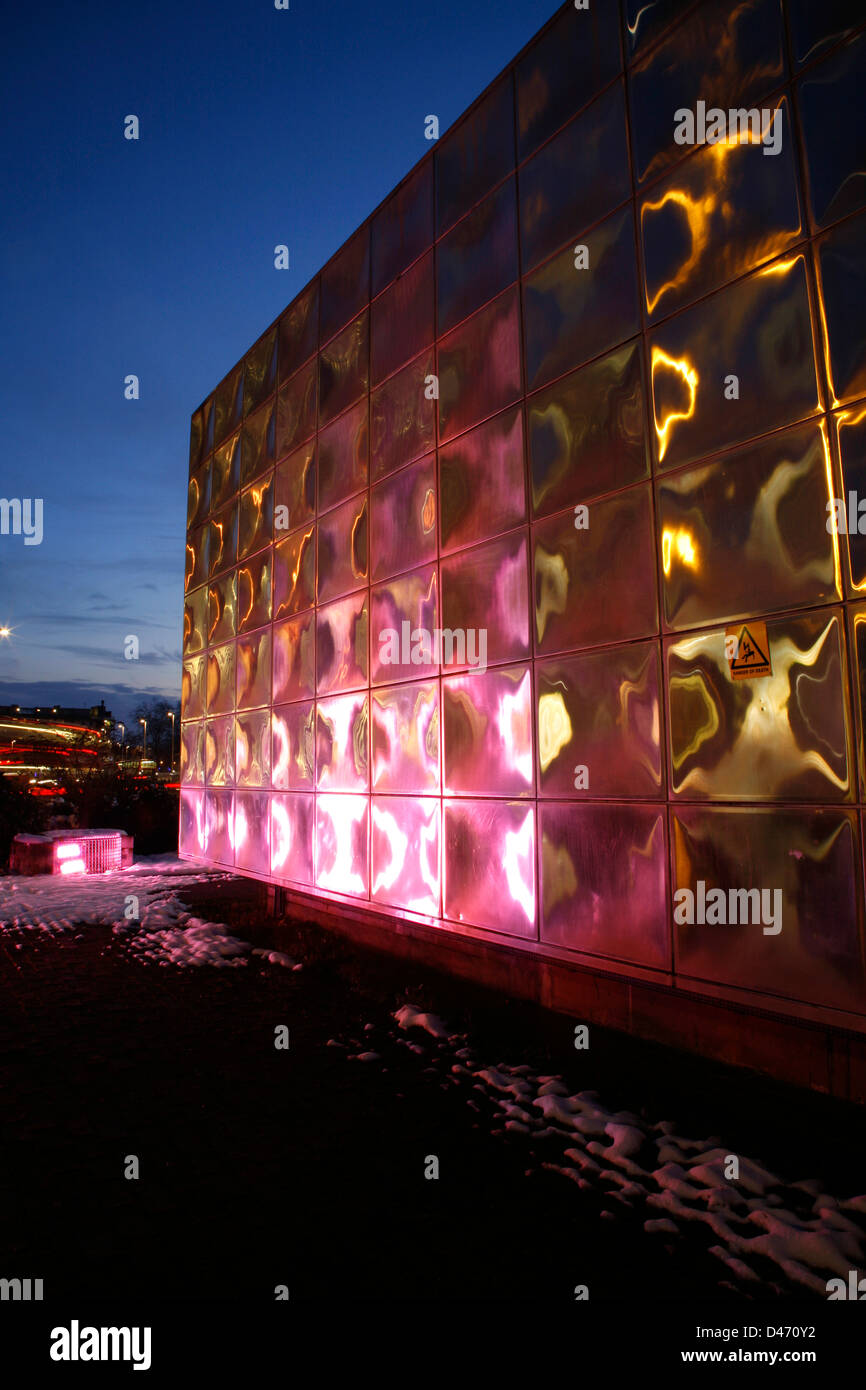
(262, 1167)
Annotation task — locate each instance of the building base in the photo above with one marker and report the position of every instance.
(803, 1052)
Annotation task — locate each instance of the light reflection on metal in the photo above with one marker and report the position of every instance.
(689, 376)
(554, 727)
(681, 543)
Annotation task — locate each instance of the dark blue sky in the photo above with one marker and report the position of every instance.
(155, 257)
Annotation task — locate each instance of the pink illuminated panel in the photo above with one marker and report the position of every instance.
(293, 828)
(405, 852)
(342, 824)
(489, 865)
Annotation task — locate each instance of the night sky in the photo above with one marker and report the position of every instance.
(155, 257)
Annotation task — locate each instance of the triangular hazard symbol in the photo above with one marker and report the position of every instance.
(750, 656)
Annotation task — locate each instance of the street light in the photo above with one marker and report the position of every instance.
(143, 723)
(122, 728)
(171, 759)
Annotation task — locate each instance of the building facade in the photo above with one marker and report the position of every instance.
(524, 577)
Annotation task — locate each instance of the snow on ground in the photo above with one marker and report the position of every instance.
(142, 905)
(765, 1230)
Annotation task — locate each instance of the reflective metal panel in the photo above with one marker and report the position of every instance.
(404, 617)
(748, 532)
(574, 310)
(293, 746)
(841, 263)
(857, 639)
(294, 658)
(195, 622)
(219, 827)
(200, 435)
(219, 751)
(253, 750)
(477, 155)
(341, 644)
(296, 409)
(736, 365)
(478, 258)
(834, 151)
(401, 320)
(299, 331)
(192, 754)
(260, 371)
(257, 443)
(295, 490)
(256, 517)
(293, 833)
(482, 481)
(587, 432)
(220, 679)
(403, 519)
(342, 849)
(342, 540)
(719, 214)
(343, 456)
(402, 419)
(295, 572)
(579, 177)
(850, 430)
(782, 737)
(254, 591)
(644, 23)
(574, 57)
(596, 584)
(222, 539)
(254, 670)
(192, 689)
(404, 849)
(226, 473)
(343, 374)
(251, 822)
(192, 825)
(342, 743)
(222, 603)
(814, 27)
(198, 496)
(485, 603)
(603, 882)
(726, 56)
(405, 738)
(196, 557)
(803, 939)
(489, 865)
(487, 733)
(402, 229)
(228, 404)
(345, 283)
(598, 724)
(479, 366)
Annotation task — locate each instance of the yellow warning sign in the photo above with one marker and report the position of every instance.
(747, 648)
